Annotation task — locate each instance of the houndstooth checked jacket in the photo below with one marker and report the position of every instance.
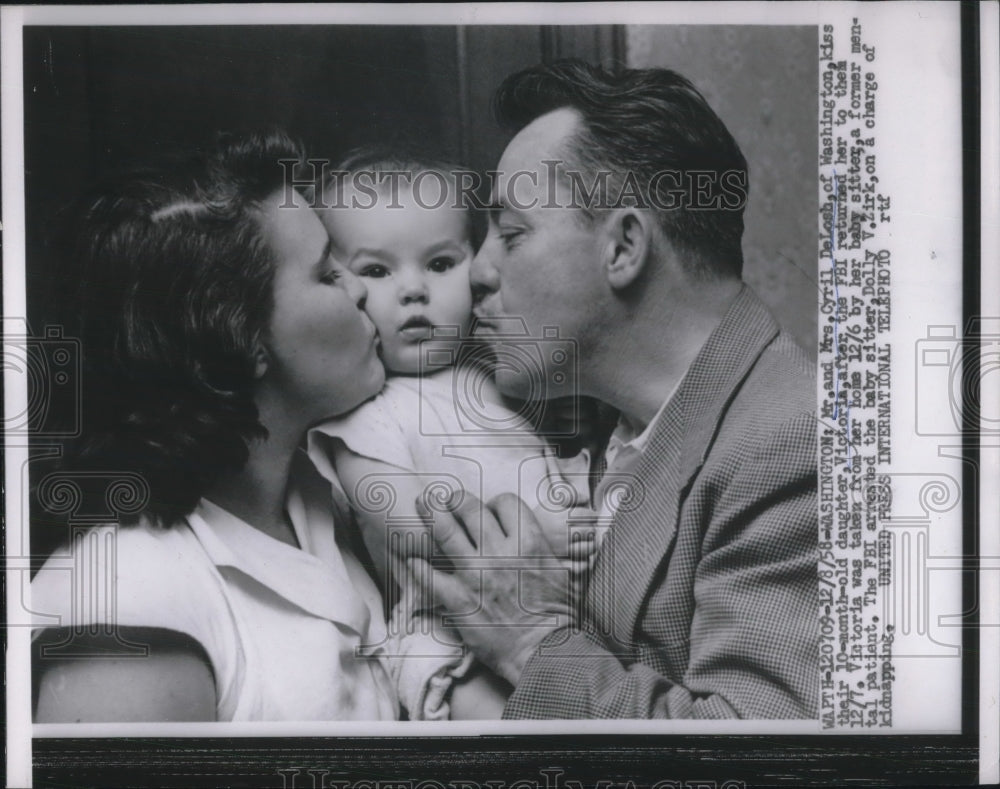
(703, 601)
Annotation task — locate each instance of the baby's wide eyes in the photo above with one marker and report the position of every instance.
(373, 270)
(441, 264)
(436, 265)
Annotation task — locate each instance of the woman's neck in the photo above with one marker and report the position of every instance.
(256, 494)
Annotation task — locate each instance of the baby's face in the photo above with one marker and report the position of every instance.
(415, 262)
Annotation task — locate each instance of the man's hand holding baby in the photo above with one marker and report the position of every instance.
(506, 570)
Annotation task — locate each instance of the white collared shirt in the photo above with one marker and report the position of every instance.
(624, 451)
(291, 634)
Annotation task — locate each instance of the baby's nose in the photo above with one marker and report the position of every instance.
(412, 289)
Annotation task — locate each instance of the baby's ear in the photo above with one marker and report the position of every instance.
(628, 244)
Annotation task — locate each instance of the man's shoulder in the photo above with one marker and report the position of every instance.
(774, 408)
(783, 380)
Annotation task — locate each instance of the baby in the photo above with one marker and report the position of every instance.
(439, 427)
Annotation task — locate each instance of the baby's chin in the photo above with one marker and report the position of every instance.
(411, 367)
(430, 357)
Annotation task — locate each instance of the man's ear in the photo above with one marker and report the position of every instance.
(628, 245)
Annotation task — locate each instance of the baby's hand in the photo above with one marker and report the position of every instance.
(572, 534)
(582, 553)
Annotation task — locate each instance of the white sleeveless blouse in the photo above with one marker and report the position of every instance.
(292, 634)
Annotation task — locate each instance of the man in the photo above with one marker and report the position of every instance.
(618, 220)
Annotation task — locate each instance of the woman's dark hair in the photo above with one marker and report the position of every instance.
(639, 123)
(175, 289)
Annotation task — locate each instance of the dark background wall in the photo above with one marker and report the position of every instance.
(100, 98)
(103, 97)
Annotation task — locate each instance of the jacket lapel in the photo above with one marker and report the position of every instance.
(643, 530)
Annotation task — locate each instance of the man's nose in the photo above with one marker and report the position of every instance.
(483, 275)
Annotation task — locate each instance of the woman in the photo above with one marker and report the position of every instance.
(216, 329)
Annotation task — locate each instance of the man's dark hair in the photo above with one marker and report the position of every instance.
(637, 124)
(175, 290)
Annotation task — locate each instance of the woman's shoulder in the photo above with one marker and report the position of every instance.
(142, 541)
(138, 574)
(151, 595)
